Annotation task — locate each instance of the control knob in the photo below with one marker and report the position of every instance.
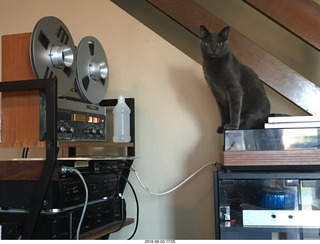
(100, 132)
(65, 129)
(92, 131)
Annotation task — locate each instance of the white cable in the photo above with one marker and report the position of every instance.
(65, 170)
(174, 188)
(85, 203)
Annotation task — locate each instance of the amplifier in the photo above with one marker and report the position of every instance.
(61, 193)
(79, 121)
(95, 166)
(102, 179)
(63, 225)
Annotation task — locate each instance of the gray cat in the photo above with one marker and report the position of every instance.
(239, 93)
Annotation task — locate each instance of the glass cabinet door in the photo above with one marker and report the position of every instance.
(268, 206)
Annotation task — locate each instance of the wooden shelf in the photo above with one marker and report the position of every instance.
(21, 170)
(105, 230)
(41, 144)
(22, 144)
(93, 144)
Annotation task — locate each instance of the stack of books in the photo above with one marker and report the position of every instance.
(293, 122)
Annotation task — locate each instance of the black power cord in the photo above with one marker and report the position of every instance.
(137, 204)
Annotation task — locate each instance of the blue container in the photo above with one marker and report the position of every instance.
(277, 200)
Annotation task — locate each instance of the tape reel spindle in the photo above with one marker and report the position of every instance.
(52, 53)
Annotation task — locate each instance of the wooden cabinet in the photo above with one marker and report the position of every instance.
(268, 186)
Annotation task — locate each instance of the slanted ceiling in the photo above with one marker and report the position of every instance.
(300, 17)
(179, 20)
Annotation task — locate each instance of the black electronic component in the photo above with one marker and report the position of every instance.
(78, 121)
(63, 225)
(102, 178)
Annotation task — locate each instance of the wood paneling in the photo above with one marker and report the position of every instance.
(20, 110)
(273, 72)
(265, 158)
(300, 17)
(21, 170)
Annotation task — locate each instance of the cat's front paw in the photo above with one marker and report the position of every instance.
(220, 130)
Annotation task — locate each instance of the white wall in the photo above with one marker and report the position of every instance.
(176, 116)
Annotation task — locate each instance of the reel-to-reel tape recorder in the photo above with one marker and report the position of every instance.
(82, 75)
(82, 69)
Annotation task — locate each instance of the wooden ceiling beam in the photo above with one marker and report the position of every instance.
(273, 72)
(300, 17)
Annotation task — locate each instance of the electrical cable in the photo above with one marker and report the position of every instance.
(174, 188)
(118, 176)
(118, 180)
(137, 203)
(136, 199)
(64, 170)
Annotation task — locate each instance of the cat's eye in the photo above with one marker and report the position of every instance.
(207, 44)
(219, 44)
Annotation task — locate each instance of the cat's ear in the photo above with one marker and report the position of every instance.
(224, 32)
(203, 31)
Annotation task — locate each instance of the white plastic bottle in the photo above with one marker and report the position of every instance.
(121, 121)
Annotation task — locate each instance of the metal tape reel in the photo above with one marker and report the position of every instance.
(52, 53)
(92, 70)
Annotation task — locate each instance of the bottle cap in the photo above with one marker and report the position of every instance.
(121, 99)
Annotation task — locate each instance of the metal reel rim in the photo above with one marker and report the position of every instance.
(41, 63)
(96, 89)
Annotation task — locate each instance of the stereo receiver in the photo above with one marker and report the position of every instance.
(80, 121)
